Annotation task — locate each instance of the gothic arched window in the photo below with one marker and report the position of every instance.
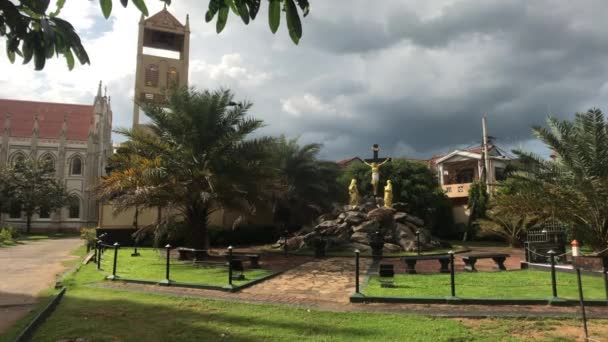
(172, 78)
(18, 158)
(76, 166)
(73, 207)
(49, 160)
(151, 76)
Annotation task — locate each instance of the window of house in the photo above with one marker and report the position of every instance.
(465, 176)
(151, 76)
(44, 213)
(74, 207)
(76, 166)
(15, 211)
(500, 174)
(172, 78)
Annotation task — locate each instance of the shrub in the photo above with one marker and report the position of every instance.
(8, 235)
(89, 235)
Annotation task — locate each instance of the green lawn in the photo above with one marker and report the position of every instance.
(151, 265)
(98, 314)
(516, 284)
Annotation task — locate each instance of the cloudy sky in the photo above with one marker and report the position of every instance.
(414, 76)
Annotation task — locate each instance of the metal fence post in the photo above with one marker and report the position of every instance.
(230, 265)
(553, 280)
(356, 271)
(115, 259)
(582, 300)
(168, 247)
(452, 278)
(135, 252)
(98, 255)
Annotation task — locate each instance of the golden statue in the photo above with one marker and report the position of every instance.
(353, 192)
(376, 173)
(388, 194)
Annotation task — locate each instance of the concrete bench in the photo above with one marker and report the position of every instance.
(471, 259)
(254, 259)
(192, 254)
(410, 261)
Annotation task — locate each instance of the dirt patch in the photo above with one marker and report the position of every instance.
(540, 329)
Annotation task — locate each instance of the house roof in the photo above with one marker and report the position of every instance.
(474, 152)
(345, 162)
(50, 118)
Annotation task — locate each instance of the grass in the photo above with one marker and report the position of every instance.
(151, 265)
(98, 314)
(516, 284)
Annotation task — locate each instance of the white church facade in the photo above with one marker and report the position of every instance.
(75, 138)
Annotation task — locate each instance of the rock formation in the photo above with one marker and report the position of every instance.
(355, 227)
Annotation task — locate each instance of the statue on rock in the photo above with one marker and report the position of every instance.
(354, 193)
(376, 174)
(388, 194)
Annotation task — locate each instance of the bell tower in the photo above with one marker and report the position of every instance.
(163, 51)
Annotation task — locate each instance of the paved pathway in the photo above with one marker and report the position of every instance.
(26, 270)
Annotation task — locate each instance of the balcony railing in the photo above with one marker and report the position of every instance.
(456, 190)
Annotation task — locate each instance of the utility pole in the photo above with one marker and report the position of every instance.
(484, 151)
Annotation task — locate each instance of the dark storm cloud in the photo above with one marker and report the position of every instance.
(533, 58)
(413, 76)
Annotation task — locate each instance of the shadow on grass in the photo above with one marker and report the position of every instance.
(133, 317)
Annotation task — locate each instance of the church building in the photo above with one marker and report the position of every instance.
(75, 138)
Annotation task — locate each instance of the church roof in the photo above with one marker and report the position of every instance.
(164, 19)
(50, 118)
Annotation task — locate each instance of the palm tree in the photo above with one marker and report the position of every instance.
(305, 186)
(573, 188)
(202, 157)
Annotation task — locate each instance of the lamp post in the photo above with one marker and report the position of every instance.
(168, 247)
(553, 280)
(418, 240)
(230, 266)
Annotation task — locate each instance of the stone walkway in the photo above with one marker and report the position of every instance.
(25, 271)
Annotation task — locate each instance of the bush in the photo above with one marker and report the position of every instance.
(89, 235)
(8, 235)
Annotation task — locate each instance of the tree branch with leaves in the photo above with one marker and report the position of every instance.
(34, 31)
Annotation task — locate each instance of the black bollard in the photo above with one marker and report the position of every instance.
(115, 259)
(168, 247)
(98, 255)
(418, 241)
(553, 280)
(582, 300)
(230, 266)
(452, 278)
(135, 252)
(356, 271)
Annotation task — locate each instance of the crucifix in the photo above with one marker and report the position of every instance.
(375, 166)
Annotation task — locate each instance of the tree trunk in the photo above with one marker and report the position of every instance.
(28, 222)
(197, 221)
